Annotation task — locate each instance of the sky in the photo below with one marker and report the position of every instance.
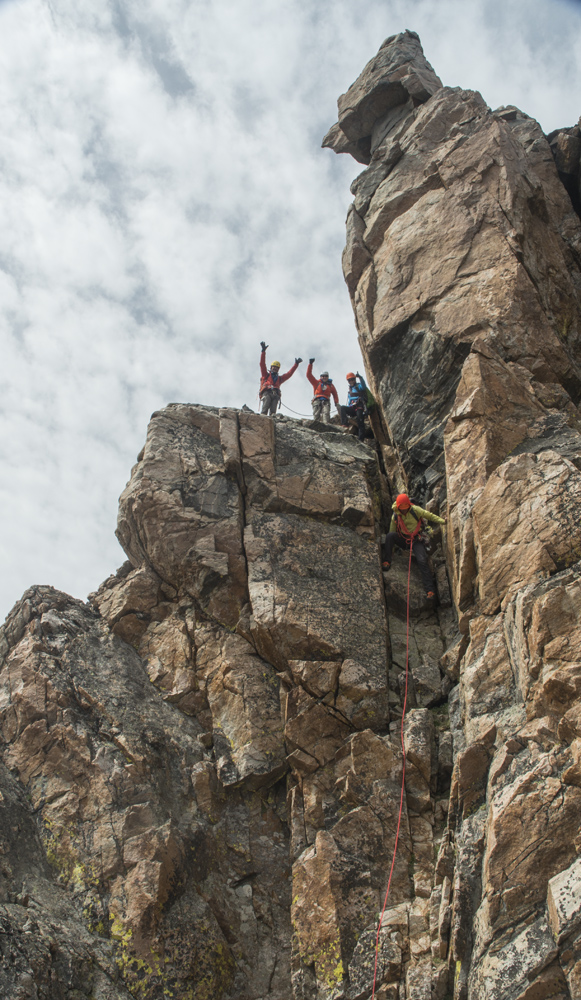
(165, 205)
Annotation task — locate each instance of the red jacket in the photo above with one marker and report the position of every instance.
(323, 390)
(270, 381)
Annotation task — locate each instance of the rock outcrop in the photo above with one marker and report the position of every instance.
(565, 146)
(463, 263)
(176, 743)
(201, 768)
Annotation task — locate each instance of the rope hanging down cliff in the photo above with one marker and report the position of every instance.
(407, 653)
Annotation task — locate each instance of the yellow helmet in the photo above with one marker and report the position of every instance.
(275, 364)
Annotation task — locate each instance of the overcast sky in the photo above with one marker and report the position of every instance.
(165, 205)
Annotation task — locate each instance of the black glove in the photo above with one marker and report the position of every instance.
(298, 361)
(311, 361)
(263, 345)
(357, 375)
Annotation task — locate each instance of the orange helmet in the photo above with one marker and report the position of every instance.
(350, 375)
(402, 501)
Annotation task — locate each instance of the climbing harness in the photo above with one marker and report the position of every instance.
(270, 381)
(422, 531)
(403, 531)
(259, 401)
(407, 653)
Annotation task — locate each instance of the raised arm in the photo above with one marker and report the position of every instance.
(291, 371)
(263, 370)
(310, 375)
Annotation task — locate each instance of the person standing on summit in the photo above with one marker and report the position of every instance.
(271, 382)
(356, 402)
(323, 390)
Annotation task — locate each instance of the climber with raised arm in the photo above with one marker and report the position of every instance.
(405, 530)
(271, 381)
(323, 390)
(356, 402)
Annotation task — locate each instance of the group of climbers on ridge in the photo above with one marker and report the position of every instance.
(323, 389)
(404, 530)
(407, 517)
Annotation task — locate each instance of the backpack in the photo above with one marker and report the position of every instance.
(369, 399)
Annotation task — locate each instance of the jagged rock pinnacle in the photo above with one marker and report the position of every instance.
(398, 75)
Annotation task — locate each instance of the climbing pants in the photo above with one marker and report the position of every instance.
(359, 413)
(419, 551)
(269, 400)
(322, 410)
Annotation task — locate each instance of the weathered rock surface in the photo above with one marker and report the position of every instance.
(565, 146)
(239, 660)
(463, 265)
(399, 75)
(202, 768)
(460, 233)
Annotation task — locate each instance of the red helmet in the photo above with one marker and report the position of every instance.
(402, 501)
(350, 375)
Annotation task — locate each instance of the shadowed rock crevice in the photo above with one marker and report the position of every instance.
(565, 146)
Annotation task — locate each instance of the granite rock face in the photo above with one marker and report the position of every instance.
(565, 146)
(459, 233)
(463, 265)
(391, 85)
(202, 768)
(173, 747)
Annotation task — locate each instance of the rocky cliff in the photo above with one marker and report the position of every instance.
(201, 767)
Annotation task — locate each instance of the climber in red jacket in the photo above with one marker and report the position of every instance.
(324, 389)
(271, 382)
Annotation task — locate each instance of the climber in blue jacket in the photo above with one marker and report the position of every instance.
(356, 402)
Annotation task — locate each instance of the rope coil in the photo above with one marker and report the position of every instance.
(401, 798)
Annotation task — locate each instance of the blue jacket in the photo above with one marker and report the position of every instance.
(357, 392)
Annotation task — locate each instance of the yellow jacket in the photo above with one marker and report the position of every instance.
(410, 522)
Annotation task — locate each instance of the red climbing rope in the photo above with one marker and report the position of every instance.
(407, 653)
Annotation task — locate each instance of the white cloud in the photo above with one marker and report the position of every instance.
(165, 205)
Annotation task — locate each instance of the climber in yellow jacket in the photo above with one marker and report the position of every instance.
(404, 530)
